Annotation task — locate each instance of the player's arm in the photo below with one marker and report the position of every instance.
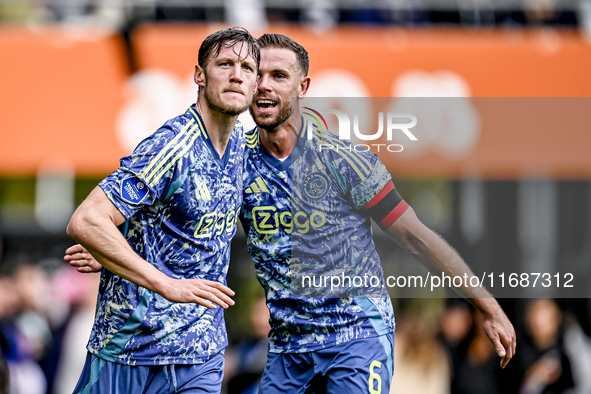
(94, 226)
(401, 223)
(436, 254)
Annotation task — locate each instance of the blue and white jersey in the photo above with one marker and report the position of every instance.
(181, 201)
(308, 218)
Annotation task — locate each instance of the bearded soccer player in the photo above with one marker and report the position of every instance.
(307, 208)
(157, 329)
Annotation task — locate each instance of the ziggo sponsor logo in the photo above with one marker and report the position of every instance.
(215, 223)
(268, 220)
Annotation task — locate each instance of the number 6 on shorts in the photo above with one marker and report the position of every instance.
(375, 376)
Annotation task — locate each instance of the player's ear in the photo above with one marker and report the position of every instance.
(199, 76)
(304, 86)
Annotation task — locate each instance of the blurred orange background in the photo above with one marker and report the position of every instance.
(67, 96)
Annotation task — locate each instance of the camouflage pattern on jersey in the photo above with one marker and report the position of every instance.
(303, 218)
(181, 202)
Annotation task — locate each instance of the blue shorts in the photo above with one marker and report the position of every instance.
(105, 377)
(355, 367)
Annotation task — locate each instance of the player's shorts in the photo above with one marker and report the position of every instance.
(355, 367)
(101, 377)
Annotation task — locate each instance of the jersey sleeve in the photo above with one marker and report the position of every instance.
(373, 191)
(144, 176)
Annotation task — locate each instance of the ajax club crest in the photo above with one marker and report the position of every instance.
(315, 186)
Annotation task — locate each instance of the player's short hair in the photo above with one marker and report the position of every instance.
(280, 41)
(213, 44)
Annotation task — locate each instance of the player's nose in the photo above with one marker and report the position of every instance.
(236, 75)
(263, 84)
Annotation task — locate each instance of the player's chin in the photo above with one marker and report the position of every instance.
(263, 119)
(238, 105)
(235, 109)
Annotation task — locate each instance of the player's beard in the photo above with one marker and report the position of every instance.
(269, 120)
(215, 105)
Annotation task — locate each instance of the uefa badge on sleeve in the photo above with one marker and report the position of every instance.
(133, 190)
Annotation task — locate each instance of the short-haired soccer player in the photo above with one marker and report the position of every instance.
(157, 329)
(308, 210)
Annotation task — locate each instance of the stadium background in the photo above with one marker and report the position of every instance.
(83, 82)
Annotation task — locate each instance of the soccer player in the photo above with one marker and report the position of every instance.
(179, 193)
(308, 210)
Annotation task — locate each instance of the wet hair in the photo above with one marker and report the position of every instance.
(281, 41)
(213, 44)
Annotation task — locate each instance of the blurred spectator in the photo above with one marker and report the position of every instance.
(7, 302)
(475, 366)
(543, 363)
(250, 356)
(577, 346)
(24, 341)
(420, 362)
(82, 292)
(32, 288)
(4, 375)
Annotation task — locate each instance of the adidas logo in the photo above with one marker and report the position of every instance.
(258, 186)
(202, 192)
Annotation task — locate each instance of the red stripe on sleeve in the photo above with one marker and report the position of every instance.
(385, 190)
(395, 214)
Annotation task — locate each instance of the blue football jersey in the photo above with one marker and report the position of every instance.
(305, 218)
(181, 201)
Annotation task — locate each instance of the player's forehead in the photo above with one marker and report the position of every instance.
(237, 51)
(274, 59)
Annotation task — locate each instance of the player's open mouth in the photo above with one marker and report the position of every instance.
(266, 105)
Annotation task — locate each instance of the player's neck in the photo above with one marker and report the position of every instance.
(219, 126)
(280, 141)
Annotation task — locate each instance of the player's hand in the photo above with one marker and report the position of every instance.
(77, 256)
(200, 291)
(501, 333)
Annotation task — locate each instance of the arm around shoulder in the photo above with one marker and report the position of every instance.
(94, 226)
